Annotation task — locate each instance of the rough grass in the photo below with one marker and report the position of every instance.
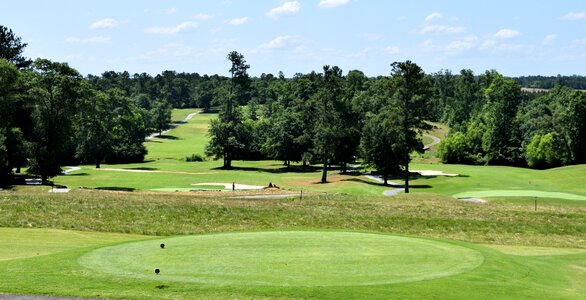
(185, 213)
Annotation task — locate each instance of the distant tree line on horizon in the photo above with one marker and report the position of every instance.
(51, 116)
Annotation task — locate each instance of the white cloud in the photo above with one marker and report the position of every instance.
(185, 26)
(278, 42)
(574, 16)
(392, 50)
(459, 46)
(433, 16)
(549, 38)
(238, 21)
(106, 23)
(171, 11)
(580, 42)
(506, 33)
(204, 17)
(442, 29)
(91, 40)
(288, 8)
(166, 51)
(332, 3)
(373, 37)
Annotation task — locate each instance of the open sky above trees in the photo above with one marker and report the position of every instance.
(514, 37)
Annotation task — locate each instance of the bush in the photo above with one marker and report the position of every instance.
(547, 151)
(195, 157)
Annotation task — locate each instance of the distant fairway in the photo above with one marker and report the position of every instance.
(289, 258)
(165, 170)
(519, 193)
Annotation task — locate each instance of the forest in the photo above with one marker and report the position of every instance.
(51, 115)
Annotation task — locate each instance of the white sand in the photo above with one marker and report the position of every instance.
(237, 186)
(433, 173)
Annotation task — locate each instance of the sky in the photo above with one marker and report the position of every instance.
(514, 37)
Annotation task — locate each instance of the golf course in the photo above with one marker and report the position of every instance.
(173, 229)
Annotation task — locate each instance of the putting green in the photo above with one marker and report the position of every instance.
(286, 258)
(519, 193)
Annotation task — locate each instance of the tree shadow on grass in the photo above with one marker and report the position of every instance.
(397, 186)
(167, 137)
(142, 169)
(77, 174)
(293, 169)
(116, 188)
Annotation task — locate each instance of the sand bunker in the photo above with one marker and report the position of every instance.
(473, 200)
(433, 173)
(237, 186)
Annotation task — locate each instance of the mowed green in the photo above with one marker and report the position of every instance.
(295, 264)
(21, 243)
(500, 181)
(286, 258)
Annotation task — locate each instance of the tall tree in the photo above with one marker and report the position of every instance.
(502, 142)
(411, 93)
(328, 123)
(378, 145)
(94, 127)
(11, 48)
(55, 92)
(228, 131)
(128, 129)
(161, 113)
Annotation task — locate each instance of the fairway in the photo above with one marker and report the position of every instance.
(520, 193)
(286, 258)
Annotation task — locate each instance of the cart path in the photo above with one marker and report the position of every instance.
(172, 126)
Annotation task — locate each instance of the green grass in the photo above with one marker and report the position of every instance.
(23, 243)
(166, 157)
(179, 114)
(520, 193)
(285, 258)
(126, 270)
(511, 234)
(495, 181)
(184, 140)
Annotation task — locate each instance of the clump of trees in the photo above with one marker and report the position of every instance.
(324, 118)
(493, 122)
(51, 116)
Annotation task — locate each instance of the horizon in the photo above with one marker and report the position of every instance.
(525, 39)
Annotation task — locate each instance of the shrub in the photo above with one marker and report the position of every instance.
(195, 157)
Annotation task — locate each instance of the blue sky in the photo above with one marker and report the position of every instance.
(515, 37)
